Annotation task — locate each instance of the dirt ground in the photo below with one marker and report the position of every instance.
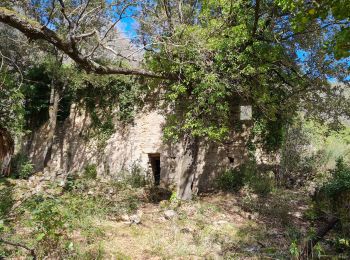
(212, 226)
(215, 226)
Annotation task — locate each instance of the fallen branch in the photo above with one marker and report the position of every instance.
(321, 232)
(32, 252)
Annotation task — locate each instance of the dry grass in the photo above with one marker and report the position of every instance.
(215, 226)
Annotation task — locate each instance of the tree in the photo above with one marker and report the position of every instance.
(212, 56)
(80, 30)
(332, 15)
(226, 53)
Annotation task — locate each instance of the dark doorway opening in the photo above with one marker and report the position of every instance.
(154, 159)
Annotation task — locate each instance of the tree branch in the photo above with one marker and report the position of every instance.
(256, 17)
(32, 252)
(35, 31)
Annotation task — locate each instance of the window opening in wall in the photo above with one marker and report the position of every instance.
(154, 160)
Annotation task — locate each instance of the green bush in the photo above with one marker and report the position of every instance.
(333, 199)
(135, 177)
(231, 180)
(261, 184)
(22, 167)
(340, 182)
(47, 221)
(248, 174)
(90, 171)
(334, 196)
(52, 219)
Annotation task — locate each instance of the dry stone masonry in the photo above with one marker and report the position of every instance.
(187, 166)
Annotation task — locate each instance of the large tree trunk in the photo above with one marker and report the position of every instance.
(53, 110)
(6, 150)
(187, 170)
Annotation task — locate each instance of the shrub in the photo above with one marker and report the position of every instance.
(234, 179)
(334, 195)
(52, 220)
(261, 183)
(90, 171)
(47, 221)
(340, 182)
(135, 177)
(231, 180)
(22, 167)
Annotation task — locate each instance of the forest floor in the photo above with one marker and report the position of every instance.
(212, 227)
(93, 220)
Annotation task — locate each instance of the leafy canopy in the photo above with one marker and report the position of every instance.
(228, 53)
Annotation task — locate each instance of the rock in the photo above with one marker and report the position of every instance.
(220, 222)
(47, 178)
(298, 214)
(125, 217)
(136, 218)
(252, 249)
(169, 214)
(217, 248)
(186, 230)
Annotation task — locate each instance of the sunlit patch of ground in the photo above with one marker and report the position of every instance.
(127, 226)
(213, 227)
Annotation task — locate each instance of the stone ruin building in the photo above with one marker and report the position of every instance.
(180, 166)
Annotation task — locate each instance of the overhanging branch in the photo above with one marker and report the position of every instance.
(33, 30)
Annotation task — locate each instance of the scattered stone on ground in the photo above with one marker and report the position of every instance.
(169, 214)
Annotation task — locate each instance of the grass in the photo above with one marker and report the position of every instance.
(6, 198)
(86, 221)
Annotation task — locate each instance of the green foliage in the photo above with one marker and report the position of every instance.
(6, 198)
(333, 13)
(261, 183)
(135, 177)
(294, 250)
(271, 133)
(231, 180)
(340, 182)
(342, 244)
(37, 95)
(248, 174)
(22, 167)
(173, 198)
(90, 171)
(53, 218)
(225, 54)
(11, 104)
(48, 220)
(334, 196)
(106, 98)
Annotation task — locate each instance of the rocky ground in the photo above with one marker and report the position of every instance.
(130, 225)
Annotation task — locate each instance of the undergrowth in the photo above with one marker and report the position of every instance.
(247, 175)
(61, 224)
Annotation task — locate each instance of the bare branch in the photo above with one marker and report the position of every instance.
(85, 35)
(35, 31)
(32, 252)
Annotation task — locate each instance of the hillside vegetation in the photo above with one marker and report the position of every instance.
(266, 81)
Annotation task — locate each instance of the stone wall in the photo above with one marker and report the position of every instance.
(190, 165)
